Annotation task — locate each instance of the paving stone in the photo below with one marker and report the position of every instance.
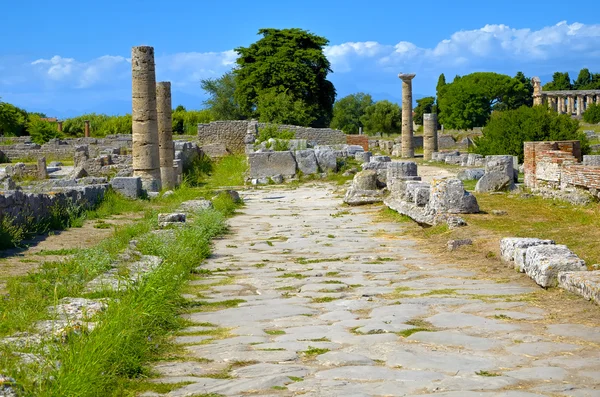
(371, 373)
(453, 338)
(334, 359)
(542, 348)
(538, 374)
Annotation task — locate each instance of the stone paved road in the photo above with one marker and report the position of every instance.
(331, 303)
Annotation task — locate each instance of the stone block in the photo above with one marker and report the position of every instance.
(363, 157)
(421, 195)
(195, 205)
(173, 217)
(586, 284)
(365, 180)
(326, 159)
(265, 165)
(544, 262)
(449, 196)
(475, 160)
(502, 164)
(307, 161)
(380, 159)
(362, 197)
(277, 179)
(471, 174)
(508, 246)
(128, 186)
(591, 160)
(453, 245)
(495, 181)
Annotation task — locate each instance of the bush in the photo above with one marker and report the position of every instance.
(592, 114)
(186, 121)
(272, 131)
(507, 130)
(41, 131)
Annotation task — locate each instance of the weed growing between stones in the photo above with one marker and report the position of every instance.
(312, 352)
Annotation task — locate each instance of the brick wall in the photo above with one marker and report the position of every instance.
(361, 140)
(557, 165)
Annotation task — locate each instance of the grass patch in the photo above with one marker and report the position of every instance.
(293, 275)
(60, 252)
(323, 299)
(445, 291)
(275, 332)
(313, 352)
(332, 274)
(305, 261)
(487, 373)
(203, 306)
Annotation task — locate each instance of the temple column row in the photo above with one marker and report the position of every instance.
(569, 104)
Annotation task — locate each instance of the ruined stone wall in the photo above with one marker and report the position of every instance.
(63, 149)
(22, 207)
(557, 165)
(231, 133)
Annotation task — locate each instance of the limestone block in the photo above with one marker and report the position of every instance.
(475, 160)
(362, 197)
(495, 181)
(8, 184)
(363, 157)
(421, 195)
(196, 205)
(127, 186)
(326, 159)
(307, 161)
(591, 160)
(508, 246)
(297, 144)
(502, 164)
(544, 262)
(173, 217)
(42, 172)
(264, 165)
(380, 159)
(449, 196)
(471, 174)
(586, 284)
(355, 149)
(277, 179)
(401, 170)
(453, 159)
(453, 245)
(365, 180)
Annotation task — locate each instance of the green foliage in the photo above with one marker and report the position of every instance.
(11, 233)
(41, 131)
(273, 131)
(100, 125)
(592, 113)
(560, 81)
(221, 102)
(186, 121)
(382, 116)
(13, 120)
(469, 100)
(348, 111)
(424, 105)
(288, 66)
(507, 130)
(227, 171)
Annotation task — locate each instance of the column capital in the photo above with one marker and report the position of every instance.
(406, 76)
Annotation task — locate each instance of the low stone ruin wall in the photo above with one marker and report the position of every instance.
(457, 158)
(22, 207)
(558, 169)
(63, 149)
(229, 135)
(551, 265)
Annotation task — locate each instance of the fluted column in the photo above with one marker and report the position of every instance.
(537, 90)
(146, 159)
(579, 105)
(429, 135)
(407, 120)
(165, 134)
(589, 101)
(570, 105)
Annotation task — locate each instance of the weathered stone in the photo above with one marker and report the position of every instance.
(365, 180)
(307, 161)
(591, 160)
(475, 160)
(165, 134)
(277, 179)
(430, 143)
(8, 184)
(196, 205)
(494, 182)
(326, 159)
(41, 168)
(146, 157)
(454, 244)
(472, 174)
(78, 172)
(449, 196)
(455, 222)
(508, 246)
(264, 165)
(364, 189)
(502, 164)
(586, 284)
(380, 159)
(363, 157)
(171, 218)
(544, 262)
(407, 117)
(499, 212)
(127, 186)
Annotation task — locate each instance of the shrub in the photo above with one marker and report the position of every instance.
(186, 121)
(507, 130)
(592, 114)
(41, 131)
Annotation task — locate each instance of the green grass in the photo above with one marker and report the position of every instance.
(293, 275)
(62, 251)
(313, 352)
(487, 373)
(275, 332)
(324, 299)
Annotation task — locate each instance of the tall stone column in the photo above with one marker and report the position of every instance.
(165, 134)
(146, 163)
(537, 91)
(429, 135)
(407, 120)
(579, 105)
(589, 101)
(561, 104)
(86, 128)
(570, 105)
(59, 125)
(553, 103)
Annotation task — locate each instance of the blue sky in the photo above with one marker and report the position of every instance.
(68, 57)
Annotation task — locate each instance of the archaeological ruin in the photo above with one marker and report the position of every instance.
(571, 102)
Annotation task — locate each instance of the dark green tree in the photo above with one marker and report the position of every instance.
(41, 131)
(289, 62)
(384, 117)
(348, 111)
(469, 100)
(521, 94)
(584, 80)
(424, 105)
(507, 130)
(439, 92)
(13, 120)
(592, 114)
(221, 97)
(560, 81)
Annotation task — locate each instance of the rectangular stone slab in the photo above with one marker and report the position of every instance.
(544, 262)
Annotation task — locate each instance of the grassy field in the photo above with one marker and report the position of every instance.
(112, 360)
